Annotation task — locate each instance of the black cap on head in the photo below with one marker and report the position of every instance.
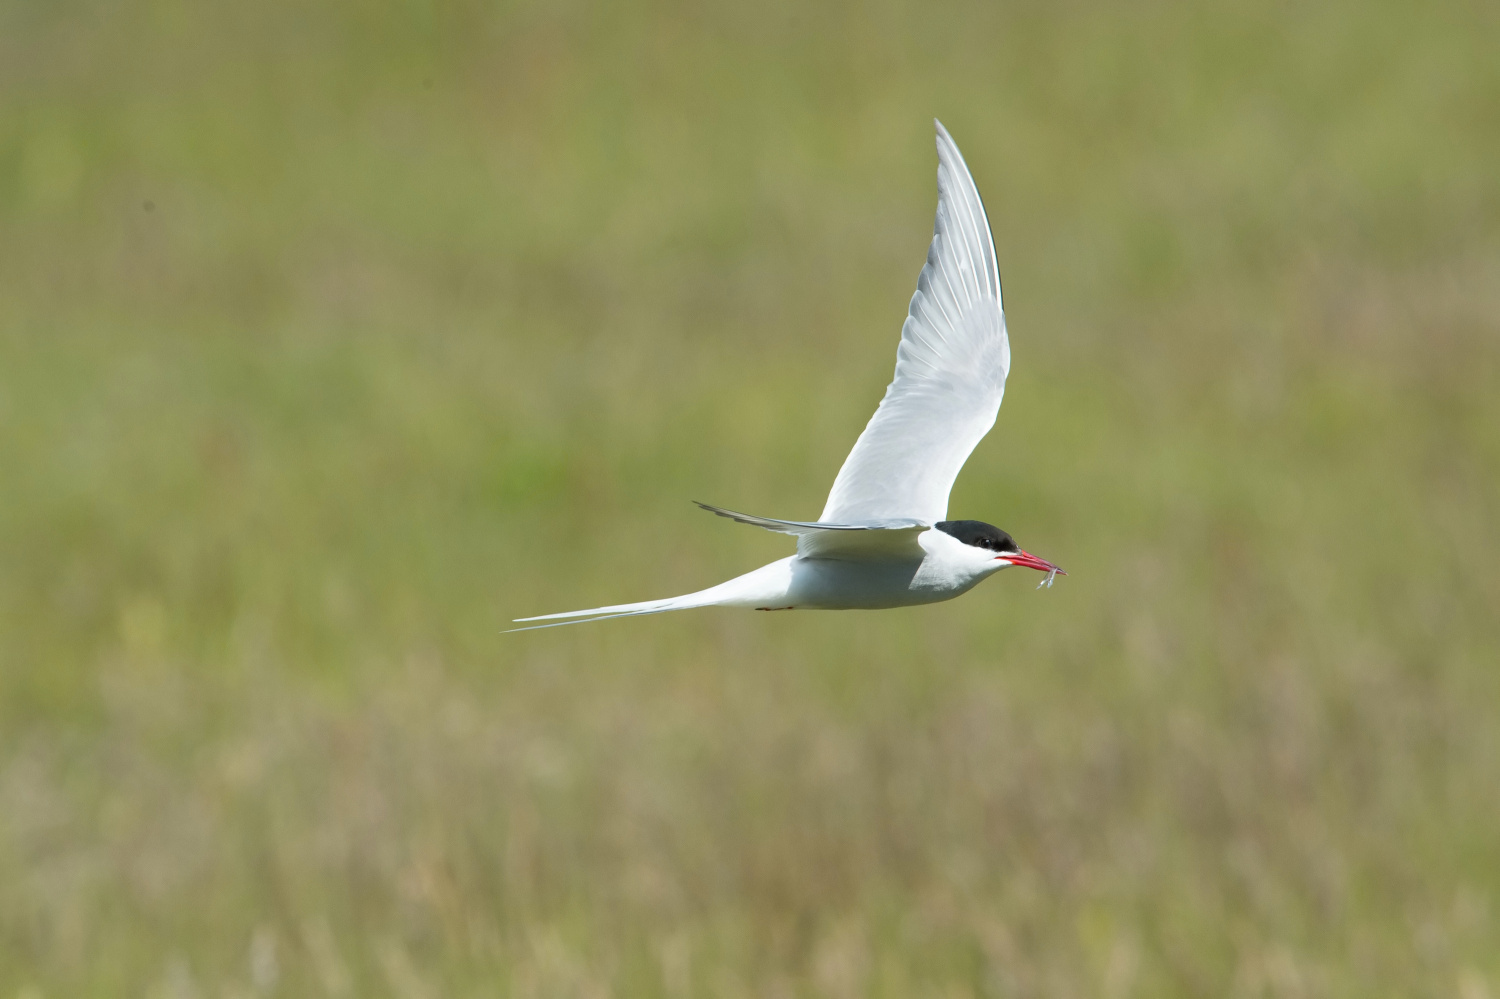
(979, 534)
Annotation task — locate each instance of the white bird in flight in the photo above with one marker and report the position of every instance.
(883, 539)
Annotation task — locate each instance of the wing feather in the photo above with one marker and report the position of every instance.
(951, 367)
(882, 539)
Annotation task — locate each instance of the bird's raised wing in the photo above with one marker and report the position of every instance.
(875, 540)
(950, 370)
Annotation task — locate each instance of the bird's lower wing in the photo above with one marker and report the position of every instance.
(867, 540)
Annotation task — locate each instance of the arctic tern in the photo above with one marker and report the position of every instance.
(883, 539)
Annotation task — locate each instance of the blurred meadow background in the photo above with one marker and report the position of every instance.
(333, 336)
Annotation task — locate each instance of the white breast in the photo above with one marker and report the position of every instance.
(947, 569)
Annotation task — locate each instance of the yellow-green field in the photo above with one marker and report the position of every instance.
(333, 336)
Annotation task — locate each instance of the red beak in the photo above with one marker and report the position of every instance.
(1031, 562)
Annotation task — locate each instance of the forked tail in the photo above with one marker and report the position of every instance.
(613, 611)
(766, 586)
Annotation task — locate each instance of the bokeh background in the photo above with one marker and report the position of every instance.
(333, 336)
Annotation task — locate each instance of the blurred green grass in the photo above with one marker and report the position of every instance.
(332, 338)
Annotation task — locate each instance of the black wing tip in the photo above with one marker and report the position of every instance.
(738, 518)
